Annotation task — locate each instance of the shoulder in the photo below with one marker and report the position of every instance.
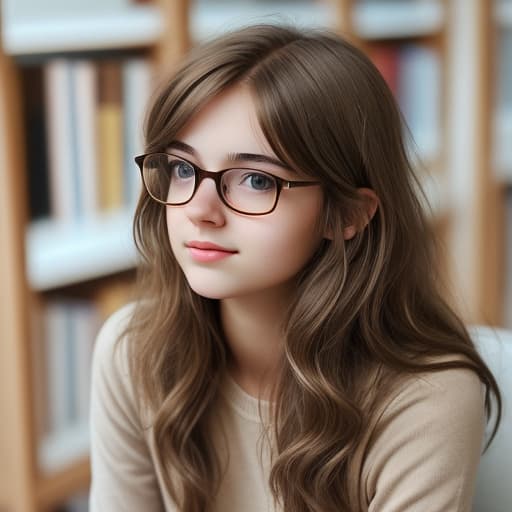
(428, 440)
(124, 475)
(111, 381)
(454, 389)
(453, 398)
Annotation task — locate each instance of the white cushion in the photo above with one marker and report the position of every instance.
(494, 481)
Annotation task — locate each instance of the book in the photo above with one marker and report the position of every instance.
(36, 142)
(84, 118)
(110, 298)
(136, 93)
(64, 191)
(39, 369)
(57, 343)
(419, 97)
(110, 134)
(85, 320)
(386, 58)
(70, 329)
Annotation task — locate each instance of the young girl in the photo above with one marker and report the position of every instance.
(290, 349)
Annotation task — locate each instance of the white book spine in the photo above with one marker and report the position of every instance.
(136, 93)
(56, 337)
(420, 97)
(85, 101)
(86, 326)
(60, 141)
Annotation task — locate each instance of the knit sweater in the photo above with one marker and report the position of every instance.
(420, 455)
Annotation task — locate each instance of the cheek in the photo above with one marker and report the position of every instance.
(292, 250)
(173, 226)
(287, 241)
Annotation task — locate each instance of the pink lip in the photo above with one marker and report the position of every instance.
(208, 252)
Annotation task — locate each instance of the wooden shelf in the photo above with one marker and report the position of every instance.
(210, 19)
(397, 19)
(133, 27)
(64, 254)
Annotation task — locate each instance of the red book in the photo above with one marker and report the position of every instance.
(386, 58)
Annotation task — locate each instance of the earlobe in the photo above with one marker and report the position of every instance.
(349, 232)
(371, 202)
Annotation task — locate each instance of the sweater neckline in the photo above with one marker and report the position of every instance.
(242, 402)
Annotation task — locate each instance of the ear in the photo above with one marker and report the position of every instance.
(371, 203)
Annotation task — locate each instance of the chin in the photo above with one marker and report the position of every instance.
(214, 289)
(208, 291)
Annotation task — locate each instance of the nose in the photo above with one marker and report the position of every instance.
(206, 205)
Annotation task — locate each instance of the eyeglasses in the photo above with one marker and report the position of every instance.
(173, 181)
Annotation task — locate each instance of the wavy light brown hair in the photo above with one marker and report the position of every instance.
(367, 311)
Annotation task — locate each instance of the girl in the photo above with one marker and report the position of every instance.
(290, 349)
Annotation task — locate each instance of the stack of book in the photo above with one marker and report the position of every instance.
(64, 333)
(413, 73)
(83, 134)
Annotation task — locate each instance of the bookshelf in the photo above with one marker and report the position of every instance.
(45, 262)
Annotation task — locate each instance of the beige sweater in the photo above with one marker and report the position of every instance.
(421, 456)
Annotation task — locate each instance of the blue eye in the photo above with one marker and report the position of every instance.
(182, 170)
(259, 181)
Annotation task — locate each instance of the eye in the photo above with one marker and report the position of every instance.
(258, 181)
(181, 169)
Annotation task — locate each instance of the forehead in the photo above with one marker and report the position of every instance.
(226, 124)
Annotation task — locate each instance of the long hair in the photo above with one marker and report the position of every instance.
(367, 311)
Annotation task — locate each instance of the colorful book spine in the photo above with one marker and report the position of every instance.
(413, 73)
(94, 127)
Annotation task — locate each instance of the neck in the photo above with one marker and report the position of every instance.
(253, 327)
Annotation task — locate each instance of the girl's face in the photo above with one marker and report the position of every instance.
(261, 253)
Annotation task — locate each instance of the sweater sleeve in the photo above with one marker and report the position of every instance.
(123, 475)
(426, 448)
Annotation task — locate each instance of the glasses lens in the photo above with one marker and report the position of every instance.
(168, 178)
(249, 191)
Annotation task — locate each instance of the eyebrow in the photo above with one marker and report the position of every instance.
(233, 157)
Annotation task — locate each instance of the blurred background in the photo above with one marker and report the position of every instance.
(75, 78)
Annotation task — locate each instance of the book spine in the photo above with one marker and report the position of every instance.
(420, 97)
(136, 92)
(386, 58)
(85, 101)
(56, 348)
(60, 128)
(85, 327)
(110, 135)
(36, 142)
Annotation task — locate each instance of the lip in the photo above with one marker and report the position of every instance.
(206, 252)
(208, 246)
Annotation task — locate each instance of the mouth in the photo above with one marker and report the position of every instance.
(206, 252)
(208, 246)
